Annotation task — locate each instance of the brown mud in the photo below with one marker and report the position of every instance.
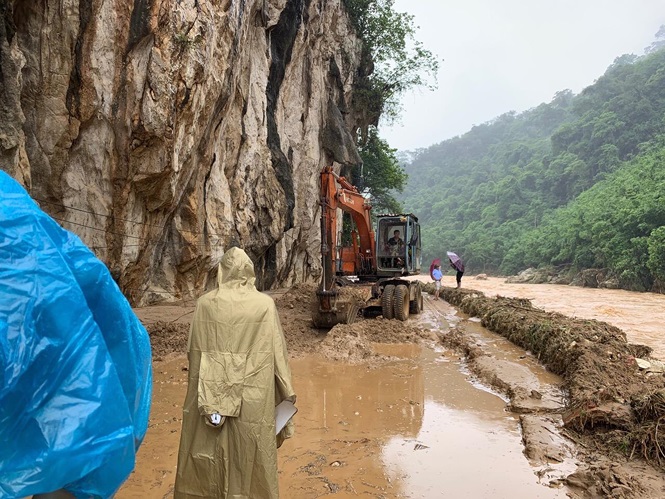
(376, 419)
(610, 396)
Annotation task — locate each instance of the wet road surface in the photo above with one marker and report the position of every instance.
(417, 426)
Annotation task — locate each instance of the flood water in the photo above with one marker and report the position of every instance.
(640, 315)
(433, 430)
(474, 445)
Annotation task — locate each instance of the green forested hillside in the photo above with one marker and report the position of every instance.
(576, 181)
(618, 224)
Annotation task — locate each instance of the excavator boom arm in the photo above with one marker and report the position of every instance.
(337, 193)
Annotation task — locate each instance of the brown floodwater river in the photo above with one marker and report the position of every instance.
(640, 315)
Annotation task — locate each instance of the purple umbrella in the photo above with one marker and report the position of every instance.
(455, 260)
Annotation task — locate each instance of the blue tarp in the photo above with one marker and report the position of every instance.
(75, 362)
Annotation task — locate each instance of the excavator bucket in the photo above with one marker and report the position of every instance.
(344, 312)
(339, 306)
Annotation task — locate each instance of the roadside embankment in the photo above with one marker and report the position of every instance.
(611, 399)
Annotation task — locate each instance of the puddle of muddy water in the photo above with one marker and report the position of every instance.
(473, 446)
(427, 431)
(418, 425)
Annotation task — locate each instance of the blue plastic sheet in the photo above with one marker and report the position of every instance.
(75, 362)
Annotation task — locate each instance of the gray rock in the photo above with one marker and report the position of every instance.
(163, 136)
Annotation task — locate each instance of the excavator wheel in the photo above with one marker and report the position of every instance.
(387, 301)
(416, 306)
(401, 302)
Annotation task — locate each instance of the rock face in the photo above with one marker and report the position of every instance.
(587, 278)
(164, 131)
(531, 275)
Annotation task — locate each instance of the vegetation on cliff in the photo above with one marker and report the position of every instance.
(393, 62)
(381, 173)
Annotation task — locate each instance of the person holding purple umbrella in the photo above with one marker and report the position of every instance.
(457, 264)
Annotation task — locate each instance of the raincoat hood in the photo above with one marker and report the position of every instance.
(236, 270)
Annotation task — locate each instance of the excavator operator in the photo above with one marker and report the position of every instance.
(396, 246)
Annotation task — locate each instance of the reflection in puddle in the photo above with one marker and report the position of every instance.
(412, 427)
(467, 446)
(345, 414)
(348, 400)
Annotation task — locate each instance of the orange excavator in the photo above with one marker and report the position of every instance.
(367, 274)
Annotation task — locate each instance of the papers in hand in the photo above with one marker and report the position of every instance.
(283, 412)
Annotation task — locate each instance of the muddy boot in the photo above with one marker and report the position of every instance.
(459, 285)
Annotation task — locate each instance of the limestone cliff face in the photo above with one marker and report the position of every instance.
(164, 131)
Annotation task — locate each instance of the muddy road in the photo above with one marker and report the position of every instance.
(386, 410)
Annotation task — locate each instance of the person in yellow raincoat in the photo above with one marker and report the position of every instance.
(238, 373)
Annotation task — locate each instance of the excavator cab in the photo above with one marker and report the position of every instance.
(398, 245)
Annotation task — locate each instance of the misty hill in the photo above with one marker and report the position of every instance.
(578, 182)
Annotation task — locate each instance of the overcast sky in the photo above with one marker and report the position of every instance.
(504, 55)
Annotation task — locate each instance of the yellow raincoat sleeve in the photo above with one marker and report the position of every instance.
(220, 374)
(221, 381)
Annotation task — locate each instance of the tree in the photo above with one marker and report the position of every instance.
(381, 173)
(659, 43)
(656, 261)
(393, 60)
